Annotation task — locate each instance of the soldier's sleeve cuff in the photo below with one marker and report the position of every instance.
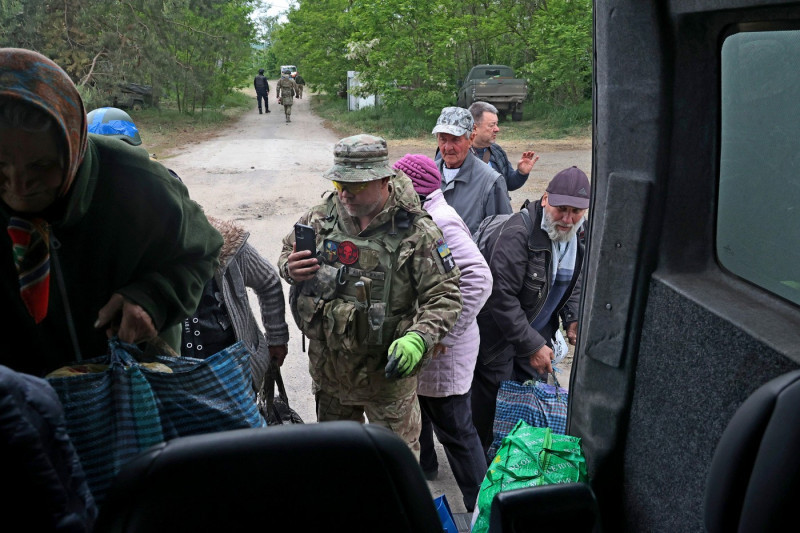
(427, 339)
(286, 275)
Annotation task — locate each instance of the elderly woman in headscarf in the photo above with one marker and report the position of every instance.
(100, 240)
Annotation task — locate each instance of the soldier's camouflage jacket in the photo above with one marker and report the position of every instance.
(286, 90)
(410, 283)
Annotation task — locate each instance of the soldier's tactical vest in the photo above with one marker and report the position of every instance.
(346, 305)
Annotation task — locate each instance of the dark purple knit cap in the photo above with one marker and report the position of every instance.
(422, 171)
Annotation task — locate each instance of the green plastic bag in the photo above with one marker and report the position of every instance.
(528, 457)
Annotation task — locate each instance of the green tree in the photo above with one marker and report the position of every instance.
(562, 38)
(263, 49)
(195, 50)
(405, 54)
(314, 38)
(414, 52)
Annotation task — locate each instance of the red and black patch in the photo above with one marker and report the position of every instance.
(348, 253)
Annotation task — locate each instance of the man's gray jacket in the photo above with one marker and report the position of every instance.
(477, 191)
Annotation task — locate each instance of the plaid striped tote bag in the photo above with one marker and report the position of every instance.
(536, 402)
(117, 405)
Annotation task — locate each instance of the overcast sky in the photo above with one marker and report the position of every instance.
(278, 7)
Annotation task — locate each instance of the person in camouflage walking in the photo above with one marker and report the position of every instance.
(300, 82)
(286, 89)
(377, 297)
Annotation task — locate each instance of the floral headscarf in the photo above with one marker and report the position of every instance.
(32, 78)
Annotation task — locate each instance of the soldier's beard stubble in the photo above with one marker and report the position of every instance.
(362, 210)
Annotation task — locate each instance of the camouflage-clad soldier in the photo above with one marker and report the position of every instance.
(298, 79)
(380, 294)
(286, 90)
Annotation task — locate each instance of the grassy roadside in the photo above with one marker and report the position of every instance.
(165, 130)
(539, 121)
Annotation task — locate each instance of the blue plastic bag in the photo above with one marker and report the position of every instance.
(445, 514)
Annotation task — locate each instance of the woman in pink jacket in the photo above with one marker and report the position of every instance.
(444, 384)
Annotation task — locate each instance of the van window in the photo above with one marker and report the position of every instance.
(758, 214)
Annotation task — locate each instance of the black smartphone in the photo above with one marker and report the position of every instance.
(306, 238)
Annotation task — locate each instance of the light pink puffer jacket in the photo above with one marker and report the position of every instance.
(450, 372)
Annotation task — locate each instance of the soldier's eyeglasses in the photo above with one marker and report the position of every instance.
(352, 188)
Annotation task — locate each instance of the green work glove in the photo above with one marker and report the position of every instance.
(405, 354)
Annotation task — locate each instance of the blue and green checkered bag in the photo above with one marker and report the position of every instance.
(536, 402)
(117, 406)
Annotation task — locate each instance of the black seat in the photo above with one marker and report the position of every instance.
(557, 508)
(334, 476)
(754, 479)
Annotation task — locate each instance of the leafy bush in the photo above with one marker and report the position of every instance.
(396, 122)
(92, 99)
(542, 120)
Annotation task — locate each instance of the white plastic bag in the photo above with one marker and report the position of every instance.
(560, 347)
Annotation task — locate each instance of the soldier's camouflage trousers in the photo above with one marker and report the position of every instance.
(401, 416)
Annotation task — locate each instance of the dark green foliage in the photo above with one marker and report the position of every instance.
(413, 52)
(410, 52)
(191, 51)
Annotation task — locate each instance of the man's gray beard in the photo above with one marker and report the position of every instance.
(552, 230)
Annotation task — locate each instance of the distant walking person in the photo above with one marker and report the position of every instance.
(262, 89)
(286, 89)
(298, 79)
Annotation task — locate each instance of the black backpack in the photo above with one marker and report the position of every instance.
(494, 224)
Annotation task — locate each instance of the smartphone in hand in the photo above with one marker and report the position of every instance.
(306, 238)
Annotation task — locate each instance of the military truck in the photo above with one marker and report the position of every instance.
(496, 85)
(132, 96)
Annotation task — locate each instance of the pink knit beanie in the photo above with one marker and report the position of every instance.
(423, 172)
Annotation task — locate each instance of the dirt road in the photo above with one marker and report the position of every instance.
(264, 174)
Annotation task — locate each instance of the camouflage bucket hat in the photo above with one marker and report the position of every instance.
(455, 121)
(360, 158)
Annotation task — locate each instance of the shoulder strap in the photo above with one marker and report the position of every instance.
(482, 240)
(526, 216)
(478, 235)
(403, 219)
